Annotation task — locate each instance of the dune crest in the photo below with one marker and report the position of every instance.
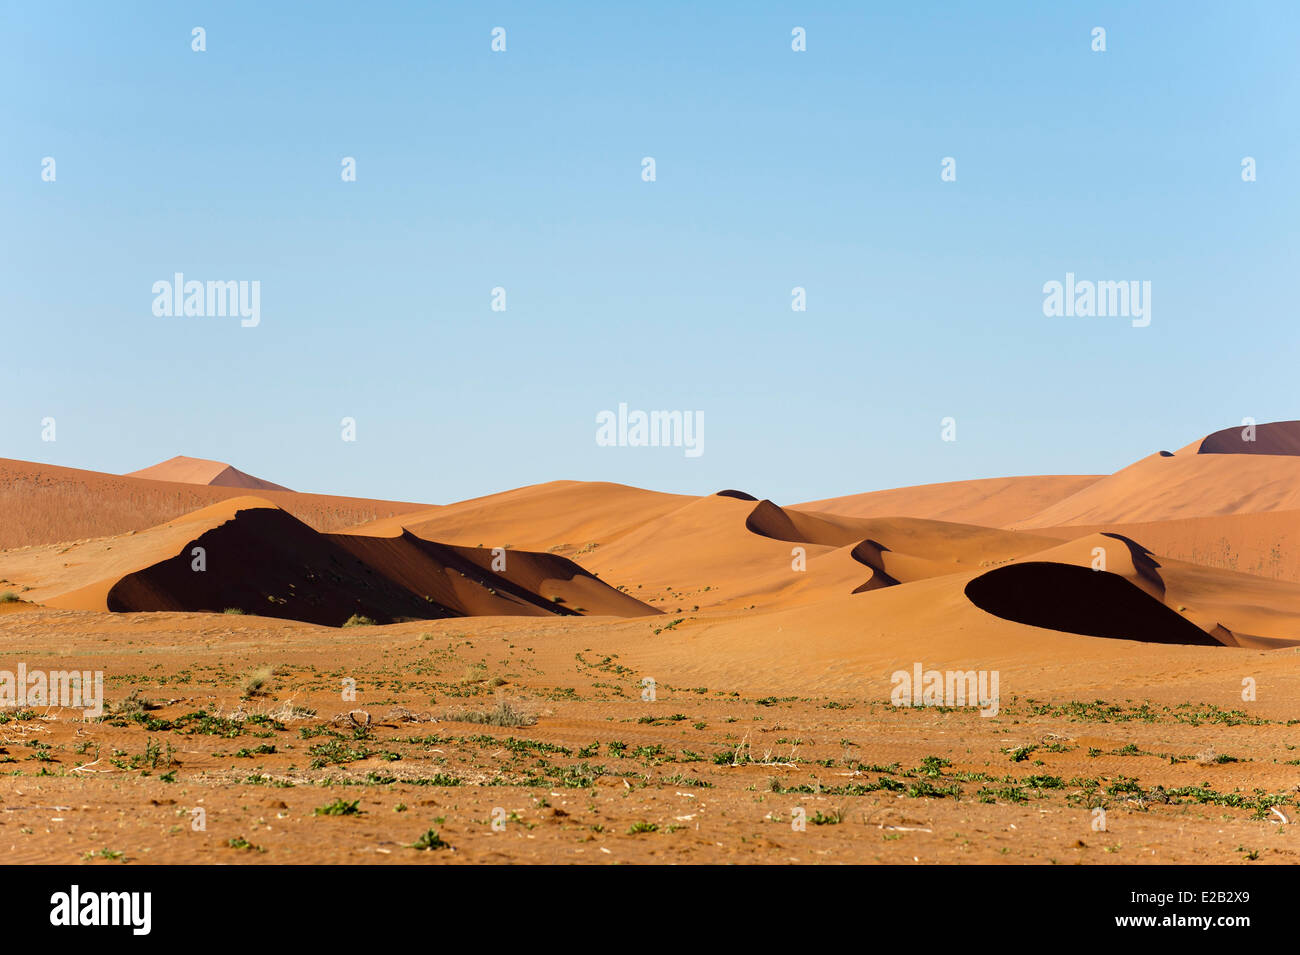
(1274, 437)
(184, 470)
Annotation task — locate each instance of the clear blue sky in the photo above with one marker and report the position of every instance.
(522, 169)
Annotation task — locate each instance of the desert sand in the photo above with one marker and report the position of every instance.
(592, 672)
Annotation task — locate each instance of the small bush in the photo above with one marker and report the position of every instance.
(505, 713)
(358, 620)
(339, 807)
(429, 841)
(255, 683)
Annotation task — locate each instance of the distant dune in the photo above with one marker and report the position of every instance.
(992, 502)
(1184, 484)
(45, 504)
(560, 515)
(1266, 543)
(1195, 548)
(1277, 437)
(185, 470)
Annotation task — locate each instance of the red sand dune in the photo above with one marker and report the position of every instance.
(185, 470)
(851, 643)
(1266, 544)
(1190, 482)
(992, 502)
(45, 504)
(722, 554)
(560, 515)
(728, 553)
(259, 559)
(1255, 611)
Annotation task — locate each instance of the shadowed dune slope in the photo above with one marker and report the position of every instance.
(183, 470)
(769, 520)
(1254, 610)
(45, 504)
(265, 561)
(475, 581)
(991, 502)
(872, 554)
(1274, 437)
(249, 555)
(739, 495)
(79, 576)
(1080, 600)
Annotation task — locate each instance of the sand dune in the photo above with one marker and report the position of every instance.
(564, 516)
(475, 581)
(1256, 611)
(1266, 544)
(1184, 484)
(852, 643)
(45, 504)
(185, 470)
(725, 553)
(259, 559)
(949, 541)
(739, 553)
(992, 502)
(698, 554)
(769, 520)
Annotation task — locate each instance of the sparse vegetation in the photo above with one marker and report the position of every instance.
(255, 683)
(505, 713)
(339, 807)
(429, 840)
